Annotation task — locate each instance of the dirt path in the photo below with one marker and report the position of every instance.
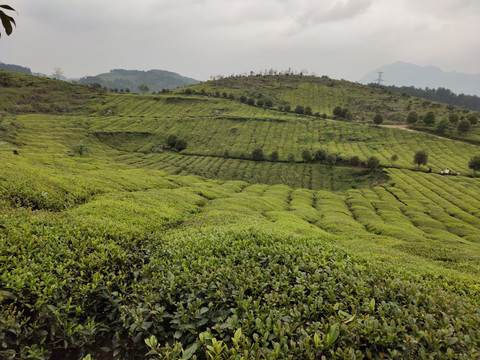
(405, 127)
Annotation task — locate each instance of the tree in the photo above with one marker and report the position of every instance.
(453, 118)
(306, 155)
(337, 111)
(171, 140)
(378, 119)
(7, 21)
(299, 109)
(373, 162)
(464, 126)
(412, 117)
(420, 157)
(354, 161)
(474, 163)
(260, 103)
(473, 118)
(443, 125)
(394, 158)
(243, 99)
(331, 159)
(257, 154)
(308, 110)
(274, 155)
(320, 155)
(143, 88)
(180, 144)
(251, 101)
(429, 118)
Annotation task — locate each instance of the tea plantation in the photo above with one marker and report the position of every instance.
(116, 244)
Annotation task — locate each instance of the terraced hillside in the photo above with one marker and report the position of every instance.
(114, 245)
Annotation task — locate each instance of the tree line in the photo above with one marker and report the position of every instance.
(443, 95)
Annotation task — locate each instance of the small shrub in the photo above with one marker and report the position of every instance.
(307, 155)
(354, 161)
(181, 144)
(171, 140)
(372, 162)
(331, 159)
(274, 155)
(300, 110)
(257, 154)
(81, 149)
(320, 155)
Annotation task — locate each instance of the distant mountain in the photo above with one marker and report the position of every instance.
(155, 80)
(16, 68)
(404, 74)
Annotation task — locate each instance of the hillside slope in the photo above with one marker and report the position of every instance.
(109, 245)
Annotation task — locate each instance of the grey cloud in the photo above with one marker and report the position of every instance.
(333, 11)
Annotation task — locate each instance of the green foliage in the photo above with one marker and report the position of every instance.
(126, 254)
(300, 109)
(274, 155)
(180, 144)
(7, 21)
(331, 159)
(172, 140)
(474, 163)
(307, 155)
(443, 125)
(473, 118)
(143, 88)
(453, 118)
(378, 119)
(429, 118)
(320, 155)
(420, 157)
(354, 161)
(257, 154)
(372, 162)
(464, 126)
(81, 149)
(412, 117)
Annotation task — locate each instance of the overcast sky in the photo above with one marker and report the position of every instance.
(200, 38)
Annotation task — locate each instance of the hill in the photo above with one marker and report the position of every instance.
(404, 74)
(15, 68)
(155, 80)
(115, 242)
